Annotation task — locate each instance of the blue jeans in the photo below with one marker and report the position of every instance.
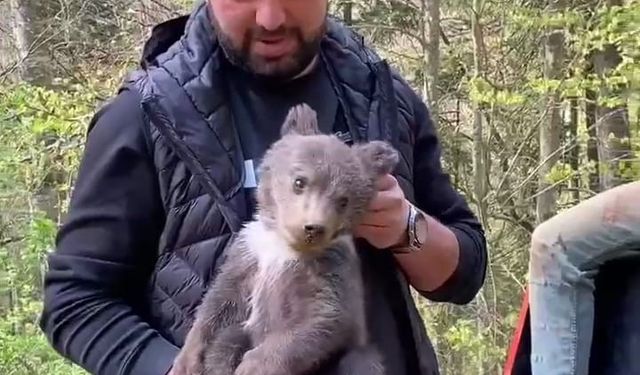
(566, 252)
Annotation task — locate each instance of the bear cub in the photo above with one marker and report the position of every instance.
(289, 297)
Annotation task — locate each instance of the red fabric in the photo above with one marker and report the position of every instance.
(517, 337)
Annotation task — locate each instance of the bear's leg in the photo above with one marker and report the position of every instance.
(361, 361)
(224, 354)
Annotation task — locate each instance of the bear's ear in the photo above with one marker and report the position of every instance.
(301, 119)
(378, 157)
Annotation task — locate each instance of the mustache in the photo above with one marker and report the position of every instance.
(259, 32)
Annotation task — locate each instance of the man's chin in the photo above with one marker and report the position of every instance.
(280, 69)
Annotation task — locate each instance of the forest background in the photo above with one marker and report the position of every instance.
(536, 103)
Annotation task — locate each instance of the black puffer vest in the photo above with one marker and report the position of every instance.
(200, 164)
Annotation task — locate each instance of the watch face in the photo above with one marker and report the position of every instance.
(416, 232)
(420, 229)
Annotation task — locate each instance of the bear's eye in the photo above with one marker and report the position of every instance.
(343, 202)
(299, 184)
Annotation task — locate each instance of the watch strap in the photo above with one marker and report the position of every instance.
(413, 243)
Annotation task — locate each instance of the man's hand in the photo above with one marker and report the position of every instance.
(385, 224)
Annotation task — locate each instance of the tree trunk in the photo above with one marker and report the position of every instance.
(550, 129)
(612, 121)
(592, 142)
(347, 13)
(29, 29)
(29, 39)
(432, 57)
(574, 153)
(479, 166)
(7, 54)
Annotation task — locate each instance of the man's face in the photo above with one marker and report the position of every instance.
(271, 38)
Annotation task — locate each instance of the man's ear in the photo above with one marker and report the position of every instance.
(301, 119)
(378, 157)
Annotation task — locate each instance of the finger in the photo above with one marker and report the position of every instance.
(386, 182)
(376, 220)
(386, 200)
(365, 231)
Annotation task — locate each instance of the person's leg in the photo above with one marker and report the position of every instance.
(565, 254)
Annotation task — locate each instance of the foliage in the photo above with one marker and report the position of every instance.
(19, 332)
(40, 147)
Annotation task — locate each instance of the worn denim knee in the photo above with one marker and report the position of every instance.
(565, 255)
(586, 235)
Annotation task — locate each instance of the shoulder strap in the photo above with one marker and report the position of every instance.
(163, 121)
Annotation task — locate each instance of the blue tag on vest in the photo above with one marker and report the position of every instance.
(250, 175)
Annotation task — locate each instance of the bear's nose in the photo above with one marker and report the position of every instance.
(314, 230)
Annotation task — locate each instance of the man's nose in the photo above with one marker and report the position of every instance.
(270, 14)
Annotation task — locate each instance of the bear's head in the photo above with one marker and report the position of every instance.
(313, 187)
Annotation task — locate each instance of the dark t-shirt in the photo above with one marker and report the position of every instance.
(259, 109)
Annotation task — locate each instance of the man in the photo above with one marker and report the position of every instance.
(566, 254)
(169, 168)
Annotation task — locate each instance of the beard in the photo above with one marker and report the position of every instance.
(283, 68)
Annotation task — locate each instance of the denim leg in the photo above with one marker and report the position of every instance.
(566, 252)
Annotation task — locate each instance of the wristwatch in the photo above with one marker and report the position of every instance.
(416, 232)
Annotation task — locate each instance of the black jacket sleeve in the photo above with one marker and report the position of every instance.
(104, 253)
(435, 194)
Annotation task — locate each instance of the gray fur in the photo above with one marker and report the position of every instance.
(289, 299)
(301, 120)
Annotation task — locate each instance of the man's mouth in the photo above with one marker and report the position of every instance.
(273, 47)
(273, 39)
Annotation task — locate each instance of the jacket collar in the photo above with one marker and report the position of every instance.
(362, 80)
